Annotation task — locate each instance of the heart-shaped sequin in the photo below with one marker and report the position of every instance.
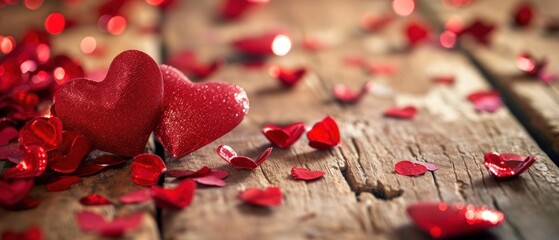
(324, 134)
(229, 155)
(283, 137)
(507, 165)
(146, 169)
(174, 198)
(269, 197)
(305, 174)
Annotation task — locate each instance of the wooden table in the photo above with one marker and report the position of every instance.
(361, 197)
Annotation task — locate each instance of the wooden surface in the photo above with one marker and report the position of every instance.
(361, 197)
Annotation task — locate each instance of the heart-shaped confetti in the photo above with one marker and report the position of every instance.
(523, 14)
(32, 233)
(187, 62)
(529, 65)
(243, 162)
(146, 169)
(269, 197)
(174, 198)
(99, 164)
(32, 164)
(95, 200)
(324, 134)
(444, 79)
(479, 30)
(408, 168)
(204, 175)
(442, 220)
(14, 192)
(287, 77)
(92, 222)
(507, 165)
(269, 43)
(417, 32)
(430, 166)
(61, 183)
(69, 155)
(486, 101)
(305, 174)
(45, 132)
(283, 137)
(197, 114)
(406, 112)
(7, 134)
(138, 196)
(345, 94)
(117, 114)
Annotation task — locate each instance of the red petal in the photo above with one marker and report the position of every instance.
(529, 65)
(61, 183)
(69, 155)
(324, 134)
(95, 200)
(488, 101)
(210, 180)
(271, 43)
(523, 14)
(266, 198)
(32, 164)
(287, 77)
(7, 134)
(189, 174)
(283, 137)
(93, 222)
(14, 192)
(233, 9)
(306, 174)
(146, 169)
(137, 196)
(89, 169)
(381, 69)
(444, 79)
(33, 233)
(174, 198)
(507, 165)
(25, 204)
(230, 156)
(442, 220)
(479, 30)
(407, 112)
(45, 132)
(417, 32)
(354, 61)
(344, 94)
(407, 168)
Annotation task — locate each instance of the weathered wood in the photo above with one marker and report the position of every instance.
(447, 131)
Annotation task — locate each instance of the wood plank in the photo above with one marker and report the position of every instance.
(447, 132)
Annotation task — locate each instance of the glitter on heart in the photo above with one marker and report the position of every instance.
(344, 94)
(89, 221)
(409, 168)
(95, 200)
(287, 77)
(283, 136)
(305, 174)
(229, 155)
(406, 112)
(174, 198)
(146, 169)
(486, 101)
(324, 134)
(204, 175)
(506, 165)
(269, 197)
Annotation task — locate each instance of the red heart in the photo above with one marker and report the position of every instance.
(324, 134)
(283, 137)
(117, 114)
(93, 222)
(204, 175)
(42, 131)
(346, 95)
(174, 198)
(33, 233)
(69, 155)
(287, 77)
(146, 169)
(407, 112)
(95, 200)
(266, 198)
(408, 168)
(230, 156)
(306, 174)
(32, 164)
(138, 196)
(14, 192)
(442, 220)
(507, 165)
(197, 114)
(61, 183)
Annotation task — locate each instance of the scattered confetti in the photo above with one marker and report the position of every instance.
(283, 137)
(406, 112)
(204, 175)
(486, 101)
(507, 165)
(32, 233)
(229, 155)
(89, 221)
(269, 197)
(32, 164)
(408, 168)
(146, 169)
(287, 77)
(344, 94)
(69, 155)
(174, 198)
(95, 200)
(305, 174)
(324, 134)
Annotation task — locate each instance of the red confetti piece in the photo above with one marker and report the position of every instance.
(174, 198)
(305, 174)
(417, 32)
(204, 175)
(45, 132)
(92, 222)
(507, 165)
(324, 134)
(11, 152)
(381, 69)
(269, 197)
(234, 9)
(444, 79)
(430, 166)
(61, 183)
(408, 168)
(7, 134)
(243, 162)
(354, 61)
(95, 200)
(442, 220)
(407, 112)
(188, 63)
(479, 31)
(283, 137)
(529, 65)
(138, 196)
(189, 174)
(271, 43)
(146, 169)
(523, 14)
(372, 22)
(68, 157)
(32, 233)
(287, 77)
(55, 23)
(344, 94)
(12, 193)
(32, 164)
(486, 101)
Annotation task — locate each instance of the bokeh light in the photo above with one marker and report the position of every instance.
(7, 44)
(116, 25)
(403, 7)
(88, 45)
(448, 39)
(281, 45)
(33, 4)
(55, 23)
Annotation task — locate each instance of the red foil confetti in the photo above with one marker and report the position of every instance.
(345, 94)
(146, 169)
(269, 197)
(117, 114)
(95, 200)
(324, 134)
(204, 176)
(479, 31)
(287, 77)
(45, 132)
(89, 221)
(32, 233)
(69, 155)
(283, 137)
(188, 63)
(417, 32)
(305, 174)
(507, 165)
(523, 14)
(138, 196)
(442, 220)
(197, 114)
(99, 164)
(229, 155)
(408, 168)
(406, 112)
(32, 164)
(444, 79)
(61, 183)
(14, 192)
(234, 9)
(271, 43)
(486, 101)
(174, 198)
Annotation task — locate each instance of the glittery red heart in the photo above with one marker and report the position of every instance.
(117, 114)
(407, 112)
(507, 165)
(197, 114)
(442, 220)
(95, 200)
(269, 197)
(345, 94)
(42, 131)
(61, 183)
(324, 134)
(69, 155)
(287, 77)
(408, 168)
(11, 193)
(32, 233)
(305, 174)
(283, 137)
(174, 198)
(204, 175)
(523, 14)
(230, 156)
(92, 222)
(146, 169)
(33, 163)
